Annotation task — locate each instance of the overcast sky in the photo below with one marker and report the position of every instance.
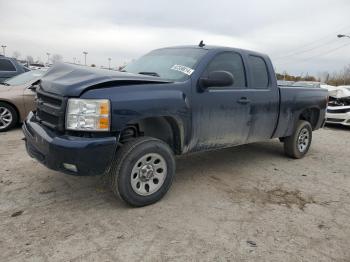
(299, 35)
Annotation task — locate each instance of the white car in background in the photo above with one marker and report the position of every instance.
(338, 110)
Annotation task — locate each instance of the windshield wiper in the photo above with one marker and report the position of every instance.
(149, 73)
(5, 84)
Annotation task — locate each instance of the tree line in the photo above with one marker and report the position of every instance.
(339, 78)
(30, 60)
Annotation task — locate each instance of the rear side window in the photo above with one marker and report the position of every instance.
(6, 65)
(231, 62)
(260, 75)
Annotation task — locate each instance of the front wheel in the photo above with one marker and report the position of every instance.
(298, 144)
(143, 171)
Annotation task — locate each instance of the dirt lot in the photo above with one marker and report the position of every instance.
(248, 203)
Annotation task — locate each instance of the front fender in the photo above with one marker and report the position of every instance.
(133, 103)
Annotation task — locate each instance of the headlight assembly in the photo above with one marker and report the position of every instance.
(88, 114)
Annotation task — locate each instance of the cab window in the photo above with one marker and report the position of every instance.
(259, 72)
(231, 62)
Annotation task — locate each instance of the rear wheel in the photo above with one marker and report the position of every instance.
(8, 117)
(298, 144)
(143, 171)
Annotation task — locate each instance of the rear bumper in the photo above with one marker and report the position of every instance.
(90, 156)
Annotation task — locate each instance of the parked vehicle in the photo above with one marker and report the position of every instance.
(172, 101)
(9, 67)
(17, 98)
(284, 83)
(338, 111)
(309, 84)
(35, 66)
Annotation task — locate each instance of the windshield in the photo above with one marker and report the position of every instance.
(25, 77)
(175, 64)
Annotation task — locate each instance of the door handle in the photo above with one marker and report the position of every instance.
(243, 100)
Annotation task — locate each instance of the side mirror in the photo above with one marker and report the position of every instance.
(216, 79)
(34, 85)
(32, 88)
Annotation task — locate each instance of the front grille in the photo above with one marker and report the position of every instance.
(338, 111)
(50, 109)
(336, 120)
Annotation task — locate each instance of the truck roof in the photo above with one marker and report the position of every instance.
(219, 48)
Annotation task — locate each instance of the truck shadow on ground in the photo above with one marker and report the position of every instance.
(197, 167)
(192, 169)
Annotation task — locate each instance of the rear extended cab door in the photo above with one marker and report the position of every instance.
(263, 95)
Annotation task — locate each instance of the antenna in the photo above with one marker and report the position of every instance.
(201, 44)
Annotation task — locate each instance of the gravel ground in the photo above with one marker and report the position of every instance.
(248, 203)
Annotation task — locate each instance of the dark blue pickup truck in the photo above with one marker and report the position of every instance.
(129, 125)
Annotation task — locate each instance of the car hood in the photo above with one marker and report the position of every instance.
(339, 97)
(72, 80)
(339, 93)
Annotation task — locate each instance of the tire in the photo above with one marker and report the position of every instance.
(146, 161)
(298, 144)
(8, 117)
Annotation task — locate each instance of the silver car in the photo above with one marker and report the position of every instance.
(17, 98)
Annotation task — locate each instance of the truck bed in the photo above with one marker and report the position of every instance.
(293, 100)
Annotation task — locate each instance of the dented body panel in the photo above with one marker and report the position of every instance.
(338, 111)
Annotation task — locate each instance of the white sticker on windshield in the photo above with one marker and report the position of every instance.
(184, 69)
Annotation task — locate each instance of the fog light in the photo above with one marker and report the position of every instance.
(70, 167)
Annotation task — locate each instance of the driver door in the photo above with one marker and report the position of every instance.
(221, 114)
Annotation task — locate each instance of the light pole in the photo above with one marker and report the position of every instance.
(342, 36)
(74, 60)
(3, 49)
(109, 63)
(85, 54)
(48, 58)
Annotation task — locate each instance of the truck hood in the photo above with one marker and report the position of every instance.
(72, 80)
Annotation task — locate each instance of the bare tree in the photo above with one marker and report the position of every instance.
(16, 55)
(56, 58)
(323, 77)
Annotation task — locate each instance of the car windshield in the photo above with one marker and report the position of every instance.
(24, 78)
(175, 64)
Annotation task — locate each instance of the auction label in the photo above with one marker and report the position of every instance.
(184, 69)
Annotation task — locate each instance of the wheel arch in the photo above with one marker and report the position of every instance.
(311, 115)
(166, 128)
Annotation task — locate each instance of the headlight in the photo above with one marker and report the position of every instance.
(88, 114)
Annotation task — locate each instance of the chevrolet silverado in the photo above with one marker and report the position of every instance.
(129, 125)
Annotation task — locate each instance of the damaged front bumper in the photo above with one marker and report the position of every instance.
(69, 154)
